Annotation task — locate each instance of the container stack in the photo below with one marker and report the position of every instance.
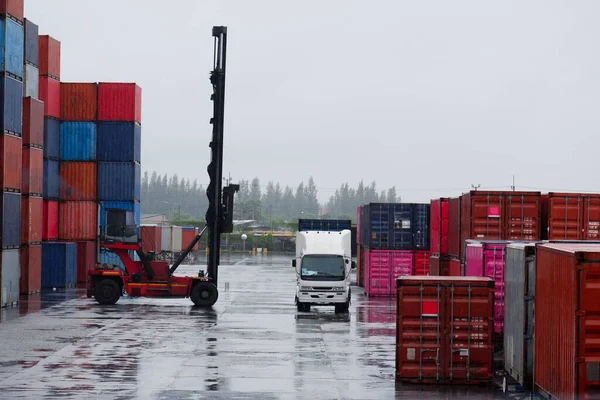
(32, 204)
(394, 241)
(439, 262)
(11, 101)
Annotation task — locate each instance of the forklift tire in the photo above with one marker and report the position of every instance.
(204, 294)
(107, 292)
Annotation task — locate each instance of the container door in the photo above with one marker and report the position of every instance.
(523, 217)
(487, 217)
(589, 331)
(444, 228)
(380, 226)
(494, 262)
(402, 226)
(402, 264)
(564, 218)
(591, 218)
(380, 270)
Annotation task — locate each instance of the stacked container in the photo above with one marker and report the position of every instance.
(439, 229)
(11, 103)
(571, 216)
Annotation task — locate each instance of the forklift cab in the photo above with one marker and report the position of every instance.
(119, 227)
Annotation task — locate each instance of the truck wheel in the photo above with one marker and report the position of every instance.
(107, 292)
(342, 308)
(204, 294)
(303, 307)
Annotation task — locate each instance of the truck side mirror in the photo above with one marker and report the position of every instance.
(294, 263)
(353, 264)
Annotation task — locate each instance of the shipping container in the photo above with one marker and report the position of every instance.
(421, 263)
(445, 330)
(12, 43)
(51, 182)
(421, 226)
(77, 220)
(50, 220)
(187, 235)
(49, 57)
(119, 181)
(571, 216)
(358, 214)
(519, 313)
(119, 141)
(78, 101)
(121, 205)
(120, 102)
(78, 141)
(49, 92)
(455, 267)
(454, 225)
(151, 238)
(59, 264)
(353, 241)
(11, 103)
(33, 171)
(324, 224)
(10, 273)
(31, 269)
(51, 138)
(110, 258)
(13, 8)
(359, 268)
(11, 220)
(31, 82)
(382, 267)
(438, 231)
(78, 180)
(176, 239)
(567, 316)
(86, 259)
(438, 265)
(10, 162)
(165, 238)
(33, 123)
(387, 226)
(31, 43)
(32, 215)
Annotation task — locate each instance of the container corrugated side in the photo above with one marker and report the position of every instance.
(33, 123)
(51, 183)
(444, 330)
(11, 162)
(438, 236)
(119, 181)
(86, 259)
(383, 267)
(165, 238)
(59, 264)
(11, 102)
(11, 220)
(51, 138)
(32, 214)
(50, 220)
(49, 90)
(176, 244)
(10, 276)
(32, 177)
(31, 42)
(388, 226)
(308, 224)
(49, 56)
(119, 141)
(14, 8)
(420, 228)
(421, 263)
(78, 141)
(187, 235)
(119, 102)
(78, 101)
(151, 238)
(454, 225)
(78, 181)
(12, 47)
(31, 82)
(77, 220)
(31, 269)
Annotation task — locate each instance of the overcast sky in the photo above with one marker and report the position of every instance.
(429, 96)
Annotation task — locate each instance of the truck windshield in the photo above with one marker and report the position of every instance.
(326, 268)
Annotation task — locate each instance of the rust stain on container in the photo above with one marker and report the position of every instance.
(78, 180)
(78, 101)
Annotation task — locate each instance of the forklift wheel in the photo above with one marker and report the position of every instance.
(204, 294)
(107, 291)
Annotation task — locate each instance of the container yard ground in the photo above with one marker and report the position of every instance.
(252, 345)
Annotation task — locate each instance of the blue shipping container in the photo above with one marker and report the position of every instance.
(119, 141)
(51, 183)
(11, 220)
(324, 224)
(387, 226)
(123, 205)
(51, 138)
(11, 102)
(119, 181)
(78, 141)
(12, 43)
(59, 264)
(421, 226)
(31, 43)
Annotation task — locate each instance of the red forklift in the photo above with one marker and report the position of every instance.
(149, 278)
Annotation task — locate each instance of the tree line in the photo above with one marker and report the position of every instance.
(181, 199)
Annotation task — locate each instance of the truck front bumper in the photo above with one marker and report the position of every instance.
(322, 298)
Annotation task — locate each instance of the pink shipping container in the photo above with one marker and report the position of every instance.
(489, 259)
(382, 267)
(77, 220)
(120, 102)
(438, 234)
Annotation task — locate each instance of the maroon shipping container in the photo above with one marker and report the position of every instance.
(439, 265)
(49, 57)
(455, 267)
(500, 216)
(151, 238)
(78, 180)
(438, 235)
(567, 320)
(78, 101)
(77, 220)
(187, 235)
(119, 102)
(32, 215)
(50, 220)
(14, 8)
(50, 95)
(10, 162)
(445, 330)
(359, 267)
(86, 259)
(422, 267)
(571, 216)
(454, 209)
(32, 171)
(31, 269)
(33, 122)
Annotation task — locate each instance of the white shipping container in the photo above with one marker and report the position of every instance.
(11, 273)
(176, 238)
(31, 82)
(165, 238)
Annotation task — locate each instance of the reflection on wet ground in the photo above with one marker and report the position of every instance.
(252, 345)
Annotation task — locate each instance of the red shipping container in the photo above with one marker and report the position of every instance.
(33, 122)
(119, 102)
(439, 226)
(32, 215)
(14, 8)
(78, 220)
(33, 171)
(421, 262)
(86, 259)
(187, 235)
(151, 238)
(571, 216)
(445, 330)
(10, 162)
(50, 95)
(455, 267)
(48, 57)
(382, 267)
(454, 209)
(359, 267)
(31, 269)
(567, 317)
(78, 101)
(78, 180)
(50, 220)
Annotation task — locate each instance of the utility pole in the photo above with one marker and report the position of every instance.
(228, 180)
(513, 185)
(475, 187)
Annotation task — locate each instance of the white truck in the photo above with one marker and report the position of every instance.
(323, 264)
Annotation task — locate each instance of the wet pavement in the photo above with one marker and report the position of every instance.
(253, 344)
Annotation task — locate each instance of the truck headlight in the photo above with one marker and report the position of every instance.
(305, 288)
(338, 289)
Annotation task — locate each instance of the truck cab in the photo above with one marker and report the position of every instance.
(323, 264)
